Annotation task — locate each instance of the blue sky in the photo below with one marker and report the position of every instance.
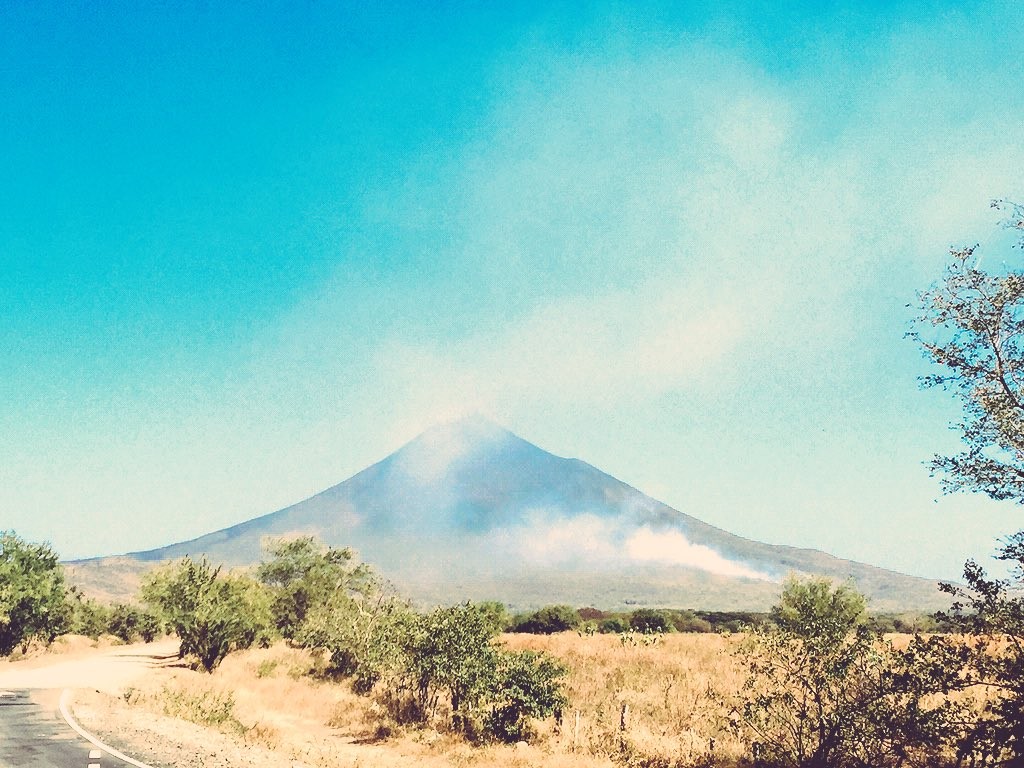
(247, 253)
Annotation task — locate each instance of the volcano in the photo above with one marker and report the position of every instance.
(470, 511)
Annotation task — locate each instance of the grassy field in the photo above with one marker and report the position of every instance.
(663, 704)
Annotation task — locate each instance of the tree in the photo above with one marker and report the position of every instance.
(33, 597)
(824, 691)
(86, 616)
(323, 599)
(211, 612)
(497, 613)
(988, 657)
(366, 634)
(452, 658)
(304, 575)
(972, 325)
(818, 610)
(452, 654)
(129, 622)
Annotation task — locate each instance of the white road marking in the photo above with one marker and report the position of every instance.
(95, 754)
(94, 765)
(66, 714)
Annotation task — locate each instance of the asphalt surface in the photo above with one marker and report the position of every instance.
(34, 735)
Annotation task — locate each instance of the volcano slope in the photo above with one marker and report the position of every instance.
(470, 511)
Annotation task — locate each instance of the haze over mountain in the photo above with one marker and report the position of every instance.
(470, 511)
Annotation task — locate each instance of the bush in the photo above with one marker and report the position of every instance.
(130, 623)
(549, 620)
(304, 576)
(691, 623)
(613, 626)
(824, 691)
(988, 654)
(528, 685)
(451, 655)
(204, 707)
(649, 621)
(497, 614)
(445, 665)
(366, 633)
(86, 616)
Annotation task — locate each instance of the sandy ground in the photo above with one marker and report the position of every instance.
(108, 669)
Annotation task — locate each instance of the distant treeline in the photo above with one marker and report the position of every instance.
(561, 618)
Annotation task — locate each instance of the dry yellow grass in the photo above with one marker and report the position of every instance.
(673, 692)
(671, 689)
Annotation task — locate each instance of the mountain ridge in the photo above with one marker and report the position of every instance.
(469, 510)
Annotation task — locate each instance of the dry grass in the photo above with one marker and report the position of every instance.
(671, 689)
(673, 694)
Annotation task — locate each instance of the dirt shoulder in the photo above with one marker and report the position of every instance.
(166, 742)
(100, 677)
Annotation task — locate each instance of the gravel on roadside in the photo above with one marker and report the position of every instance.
(166, 742)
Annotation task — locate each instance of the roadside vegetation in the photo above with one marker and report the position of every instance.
(815, 683)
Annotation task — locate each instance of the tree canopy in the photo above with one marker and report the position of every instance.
(304, 576)
(212, 613)
(815, 609)
(33, 596)
(972, 325)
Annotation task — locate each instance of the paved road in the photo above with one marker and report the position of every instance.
(34, 735)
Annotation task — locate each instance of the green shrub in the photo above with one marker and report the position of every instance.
(215, 708)
(213, 614)
(366, 636)
(304, 576)
(824, 691)
(694, 624)
(497, 614)
(446, 664)
(451, 655)
(130, 623)
(649, 621)
(266, 668)
(527, 685)
(86, 616)
(550, 619)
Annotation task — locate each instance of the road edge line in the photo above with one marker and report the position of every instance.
(66, 714)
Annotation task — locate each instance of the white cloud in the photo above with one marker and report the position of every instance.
(594, 352)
